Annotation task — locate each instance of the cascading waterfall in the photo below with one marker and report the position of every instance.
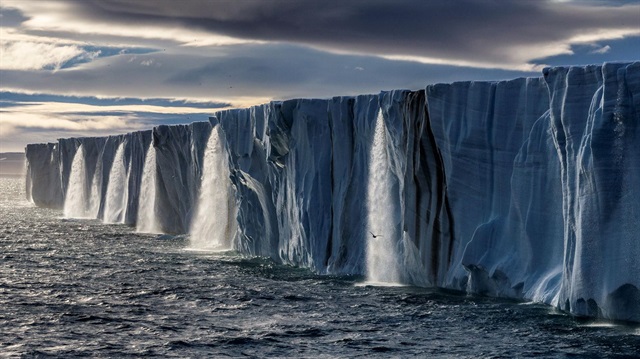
(382, 261)
(116, 199)
(147, 221)
(76, 197)
(213, 224)
(29, 183)
(96, 189)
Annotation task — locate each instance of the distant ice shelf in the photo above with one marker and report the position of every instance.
(528, 188)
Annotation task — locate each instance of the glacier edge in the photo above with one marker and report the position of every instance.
(527, 188)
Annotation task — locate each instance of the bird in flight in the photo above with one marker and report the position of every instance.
(375, 235)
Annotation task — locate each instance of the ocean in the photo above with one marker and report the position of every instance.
(81, 288)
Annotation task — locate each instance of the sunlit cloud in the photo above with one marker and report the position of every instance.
(606, 34)
(602, 50)
(47, 127)
(15, 35)
(480, 65)
(87, 119)
(38, 56)
(11, 121)
(60, 17)
(75, 108)
(47, 121)
(19, 51)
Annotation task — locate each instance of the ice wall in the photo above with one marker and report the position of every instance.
(43, 175)
(597, 146)
(179, 156)
(496, 174)
(528, 188)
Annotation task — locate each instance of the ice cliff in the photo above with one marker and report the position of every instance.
(528, 188)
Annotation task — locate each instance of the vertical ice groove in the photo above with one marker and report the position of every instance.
(382, 261)
(116, 199)
(212, 225)
(147, 220)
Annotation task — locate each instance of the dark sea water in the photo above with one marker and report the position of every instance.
(71, 288)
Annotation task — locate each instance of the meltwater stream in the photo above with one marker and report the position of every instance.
(64, 292)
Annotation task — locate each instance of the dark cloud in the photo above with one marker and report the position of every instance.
(484, 31)
(11, 17)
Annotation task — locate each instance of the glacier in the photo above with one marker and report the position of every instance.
(527, 188)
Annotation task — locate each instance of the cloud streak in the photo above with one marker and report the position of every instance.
(38, 56)
(602, 50)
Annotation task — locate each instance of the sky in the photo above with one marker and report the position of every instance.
(71, 68)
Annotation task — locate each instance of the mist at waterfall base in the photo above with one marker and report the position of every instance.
(78, 287)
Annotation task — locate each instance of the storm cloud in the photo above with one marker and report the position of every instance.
(483, 33)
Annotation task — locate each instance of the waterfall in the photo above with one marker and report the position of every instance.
(96, 193)
(117, 189)
(75, 201)
(147, 221)
(382, 261)
(29, 184)
(212, 226)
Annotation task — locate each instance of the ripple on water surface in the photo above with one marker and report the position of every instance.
(82, 288)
